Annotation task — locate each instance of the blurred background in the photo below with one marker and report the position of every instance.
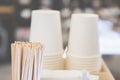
(15, 18)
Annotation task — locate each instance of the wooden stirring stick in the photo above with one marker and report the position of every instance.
(39, 63)
(26, 60)
(19, 51)
(31, 59)
(13, 60)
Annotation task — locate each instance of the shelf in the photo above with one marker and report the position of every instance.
(7, 9)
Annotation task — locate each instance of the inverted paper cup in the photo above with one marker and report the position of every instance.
(83, 39)
(84, 67)
(80, 64)
(53, 56)
(53, 64)
(91, 63)
(53, 61)
(90, 70)
(83, 63)
(84, 59)
(46, 28)
(53, 67)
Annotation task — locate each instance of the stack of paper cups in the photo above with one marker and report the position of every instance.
(83, 51)
(46, 28)
(54, 62)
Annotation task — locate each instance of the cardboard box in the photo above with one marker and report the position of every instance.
(105, 73)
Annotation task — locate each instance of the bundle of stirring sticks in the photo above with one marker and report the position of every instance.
(26, 60)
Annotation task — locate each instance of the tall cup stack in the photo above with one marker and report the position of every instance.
(46, 28)
(83, 51)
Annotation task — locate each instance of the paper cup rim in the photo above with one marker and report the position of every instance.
(75, 56)
(45, 11)
(53, 54)
(84, 15)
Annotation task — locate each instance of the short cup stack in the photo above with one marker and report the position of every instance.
(53, 62)
(46, 28)
(83, 51)
(26, 60)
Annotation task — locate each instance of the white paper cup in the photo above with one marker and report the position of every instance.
(84, 57)
(50, 58)
(55, 66)
(53, 60)
(91, 67)
(46, 28)
(53, 55)
(90, 70)
(83, 39)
